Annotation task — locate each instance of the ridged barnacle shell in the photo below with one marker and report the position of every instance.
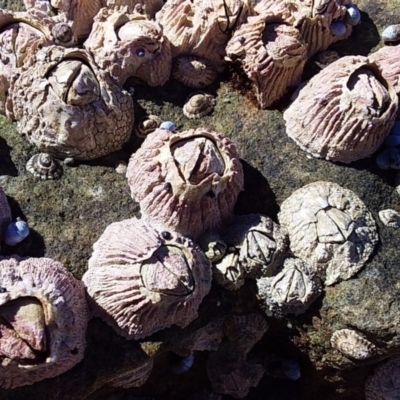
(330, 228)
(192, 71)
(63, 35)
(5, 214)
(390, 218)
(391, 33)
(141, 280)
(147, 125)
(127, 45)
(228, 272)
(272, 55)
(186, 181)
(351, 344)
(292, 291)
(262, 244)
(199, 104)
(388, 60)
(43, 318)
(383, 383)
(67, 107)
(344, 112)
(44, 166)
(314, 19)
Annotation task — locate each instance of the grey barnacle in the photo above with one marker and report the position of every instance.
(292, 290)
(384, 382)
(63, 35)
(352, 344)
(262, 244)
(43, 318)
(198, 104)
(390, 218)
(44, 166)
(330, 228)
(147, 125)
(68, 107)
(228, 272)
(141, 280)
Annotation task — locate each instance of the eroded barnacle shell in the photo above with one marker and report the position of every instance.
(384, 383)
(63, 35)
(128, 45)
(244, 331)
(192, 71)
(272, 56)
(390, 218)
(141, 280)
(186, 181)
(262, 244)
(68, 107)
(330, 228)
(228, 272)
(388, 61)
(199, 104)
(147, 125)
(346, 101)
(5, 214)
(351, 344)
(391, 33)
(292, 291)
(43, 318)
(213, 246)
(44, 166)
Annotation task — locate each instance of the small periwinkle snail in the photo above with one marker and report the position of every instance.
(170, 126)
(16, 232)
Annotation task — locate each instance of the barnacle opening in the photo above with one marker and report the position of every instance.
(23, 333)
(196, 158)
(260, 246)
(168, 272)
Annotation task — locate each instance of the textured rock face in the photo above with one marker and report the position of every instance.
(142, 280)
(186, 181)
(343, 113)
(69, 108)
(43, 318)
(128, 45)
(272, 55)
(330, 228)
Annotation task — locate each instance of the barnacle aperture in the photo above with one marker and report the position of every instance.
(187, 181)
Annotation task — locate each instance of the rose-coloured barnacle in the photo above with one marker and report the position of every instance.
(213, 246)
(63, 35)
(390, 218)
(346, 101)
(134, 377)
(244, 331)
(272, 56)
(324, 58)
(68, 107)
(228, 272)
(330, 228)
(127, 45)
(141, 280)
(391, 33)
(187, 181)
(389, 63)
(199, 104)
(5, 214)
(147, 125)
(232, 14)
(44, 166)
(351, 344)
(292, 291)
(229, 373)
(313, 19)
(384, 382)
(194, 28)
(43, 318)
(192, 71)
(262, 244)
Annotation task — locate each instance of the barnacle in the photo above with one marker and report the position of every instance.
(44, 166)
(351, 344)
(198, 104)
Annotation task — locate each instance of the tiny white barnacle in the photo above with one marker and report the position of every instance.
(351, 344)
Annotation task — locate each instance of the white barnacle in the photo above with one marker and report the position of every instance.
(351, 344)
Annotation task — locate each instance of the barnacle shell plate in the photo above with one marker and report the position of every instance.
(186, 181)
(46, 313)
(69, 108)
(141, 280)
(344, 112)
(330, 228)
